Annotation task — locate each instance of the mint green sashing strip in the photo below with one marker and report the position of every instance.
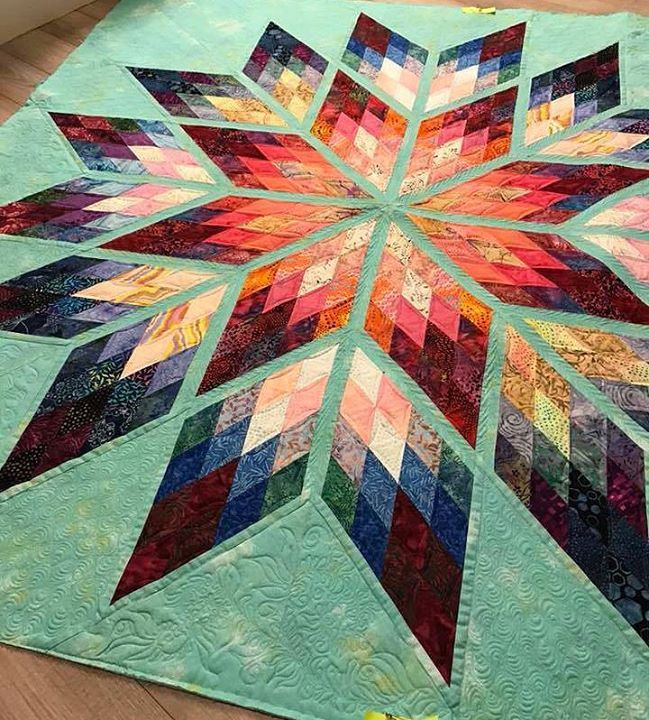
(490, 400)
(323, 437)
(534, 639)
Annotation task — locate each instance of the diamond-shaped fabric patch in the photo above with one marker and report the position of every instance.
(477, 65)
(134, 147)
(631, 252)
(535, 191)
(390, 60)
(272, 161)
(111, 386)
(72, 295)
(433, 328)
(461, 138)
(286, 68)
(573, 92)
(234, 463)
(536, 270)
(187, 93)
(616, 364)
(624, 136)
(231, 230)
(631, 212)
(403, 496)
(83, 208)
(288, 303)
(361, 129)
(579, 474)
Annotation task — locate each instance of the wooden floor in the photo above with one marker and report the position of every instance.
(30, 58)
(36, 687)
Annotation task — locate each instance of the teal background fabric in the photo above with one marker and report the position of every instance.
(286, 617)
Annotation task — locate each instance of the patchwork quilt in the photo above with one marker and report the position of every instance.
(324, 360)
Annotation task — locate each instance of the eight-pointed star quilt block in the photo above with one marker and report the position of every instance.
(394, 282)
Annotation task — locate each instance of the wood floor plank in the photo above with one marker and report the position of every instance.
(38, 687)
(182, 706)
(99, 8)
(73, 27)
(18, 77)
(39, 49)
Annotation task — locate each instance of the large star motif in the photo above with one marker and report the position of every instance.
(385, 222)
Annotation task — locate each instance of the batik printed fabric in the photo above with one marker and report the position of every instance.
(287, 68)
(433, 328)
(579, 474)
(231, 230)
(134, 147)
(536, 191)
(84, 208)
(280, 162)
(573, 92)
(482, 63)
(403, 496)
(625, 136)
(536, 269)
(459, 139)
(78, 293)
(390, 60)
(631, 213)
(360, 128)
(234, 463)
(341, 398)
(111, 386)
(631, 252)
(203, 95)
(282, 306)
(616, 364)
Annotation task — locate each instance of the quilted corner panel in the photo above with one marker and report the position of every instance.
(324, 359)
